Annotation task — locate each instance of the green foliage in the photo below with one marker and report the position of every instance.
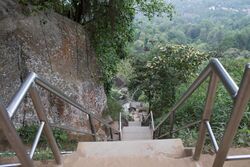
(113, 29)
(43, 154)
(28, 133)
(188, 136)
(109, 23)
(198, 24)
(159, 76)
(114, 108)
(125, 69)
(40, 154)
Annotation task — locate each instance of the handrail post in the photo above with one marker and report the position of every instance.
(13, 138)
(152, 123)
(92, 127)
(42, 117)
(240, 104)
(171, 123)
(120, 126)
(111, 134)
(159, 132)
(211, 93)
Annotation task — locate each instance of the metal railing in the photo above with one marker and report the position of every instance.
(29, 86)
(120, 126)
(149, 120)
(240, 96)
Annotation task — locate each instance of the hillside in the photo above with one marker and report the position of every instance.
(207, 25)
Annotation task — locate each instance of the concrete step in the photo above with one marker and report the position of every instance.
(169, 148)
(142, 153)
(76, 161)
(136, 133)
(134, 123)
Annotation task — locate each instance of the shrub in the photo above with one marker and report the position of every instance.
(114, 108)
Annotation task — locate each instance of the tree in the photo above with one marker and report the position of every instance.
(109, 23)
(159, 76)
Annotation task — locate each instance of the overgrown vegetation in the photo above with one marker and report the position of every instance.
(28, 134)
(109, 24)
(114, 107)
(162, 74)
(204, 24)
(159, 76)
(43, 151)
(218, 28)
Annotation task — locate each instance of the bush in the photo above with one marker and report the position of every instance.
(28, 134)
(114, 108)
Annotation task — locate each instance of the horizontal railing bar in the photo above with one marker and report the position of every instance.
(18, 97)
(211, 134)
(201, 78)
(237, 157)
(225, 78)
(10, 165)
(67, 152)
(183, 127)
(57, 92)
(68, 128)
(38, 135)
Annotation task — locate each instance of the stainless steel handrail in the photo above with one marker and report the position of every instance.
(201, 78)
(10, 132)
(57, 92)
(176, 130)
(241, 96)
(38, 135)
(213, 66)
(71, 129)
(18, 97)
(147, 117)
(120, 126)
(211, 134)
(152, 120)
(151, 123)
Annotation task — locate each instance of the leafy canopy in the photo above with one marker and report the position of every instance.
(109, 23)
(159, 76)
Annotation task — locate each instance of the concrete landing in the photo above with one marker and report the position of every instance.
(134, 123)
(136, 133)
(169, 148)
(142, 153)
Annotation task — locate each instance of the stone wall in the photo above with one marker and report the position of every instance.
(59, 51)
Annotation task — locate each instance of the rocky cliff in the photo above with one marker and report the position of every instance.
(58, 50)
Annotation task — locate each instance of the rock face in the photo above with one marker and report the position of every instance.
(58, 50)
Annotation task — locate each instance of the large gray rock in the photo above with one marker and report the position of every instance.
(58, 50)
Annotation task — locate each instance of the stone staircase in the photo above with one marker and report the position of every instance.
(134, 131)
(136, 146)
(137, 149)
